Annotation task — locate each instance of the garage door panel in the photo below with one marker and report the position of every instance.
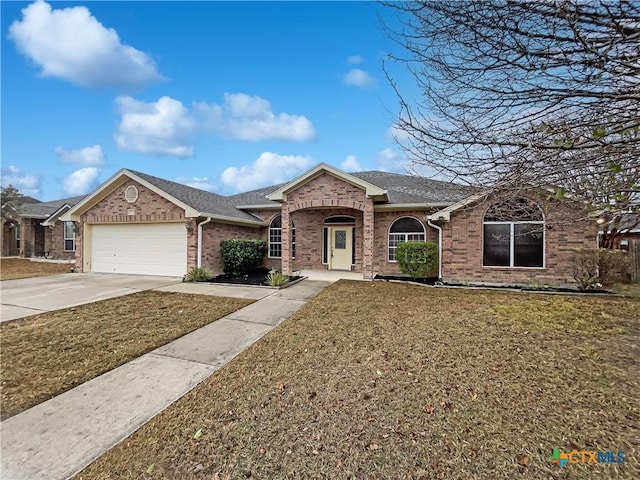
(145, 249)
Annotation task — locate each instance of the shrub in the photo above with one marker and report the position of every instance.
(418, 259)
(277, 279)
(198, 274)
(242, 256)
(596, 267)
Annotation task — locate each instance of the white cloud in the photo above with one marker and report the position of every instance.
(88, 156)
(27, 183)
(164, 127)
(81, 181)
(351, 164)
(167, 127)
(389, 160)
(270, 168)
(355, 60)
(250, 118)
(72, 44)
(203, 183)
(358, 78)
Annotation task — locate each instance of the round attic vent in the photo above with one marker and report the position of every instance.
(131, 194)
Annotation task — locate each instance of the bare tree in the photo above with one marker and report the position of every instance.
(11, 200)
(517, 94)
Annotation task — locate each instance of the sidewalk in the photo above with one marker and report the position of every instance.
(56, 439)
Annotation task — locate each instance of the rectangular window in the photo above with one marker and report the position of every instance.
(69, 237)
(325, 245)
(528, 245)
(497, 245)
(396, 239)
(513, 245)
(275, 243)
(353, 246)
(16, 230)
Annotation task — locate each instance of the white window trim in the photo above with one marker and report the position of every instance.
(512, 244)
(424, 232)
(126, 195)
(269, 242)
(65, 238)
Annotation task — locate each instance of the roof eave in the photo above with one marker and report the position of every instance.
(232, 220)
(411, 206)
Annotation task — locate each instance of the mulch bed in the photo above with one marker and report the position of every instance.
(257, 278)
(390, 380)
(45, 355)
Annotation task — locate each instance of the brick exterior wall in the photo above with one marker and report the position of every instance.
(462, 247)
(383, 221)
(149, 207)
(54, 242)
(324, 192)
(9, 247)
(213, 233)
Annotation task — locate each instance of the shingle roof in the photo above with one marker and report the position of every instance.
(44, 209)
(200, 200)
(414, 189)
(401, 189)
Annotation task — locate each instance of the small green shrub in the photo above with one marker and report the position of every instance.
(242, 256)
(418, 259)
(277, 279)
(198, 274)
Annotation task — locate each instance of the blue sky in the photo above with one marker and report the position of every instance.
(224, 96)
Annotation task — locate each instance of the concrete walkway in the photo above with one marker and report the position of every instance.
(56, 439)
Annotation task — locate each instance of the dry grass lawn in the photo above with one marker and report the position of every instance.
(47, 354)
(385, 380)
(13, 268)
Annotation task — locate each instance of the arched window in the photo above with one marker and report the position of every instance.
(513, 234)
(275, 238)
(404, 229)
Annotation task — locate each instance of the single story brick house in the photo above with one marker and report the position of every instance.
(324, 219)
(39, 232)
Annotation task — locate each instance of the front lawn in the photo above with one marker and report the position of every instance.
(13, 268)
(386, 380)
(45, 355)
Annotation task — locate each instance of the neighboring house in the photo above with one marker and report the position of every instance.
(41, 233)
(324, 219)
(11, 234)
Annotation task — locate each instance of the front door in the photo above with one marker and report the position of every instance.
(340, 248)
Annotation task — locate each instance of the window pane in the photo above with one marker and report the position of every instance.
(69, 245)
(528, 245)
(340, 242)
(68, 230)
(407, 225)
(496, 245)
(275, 250)
(325, 245)
(514, 210)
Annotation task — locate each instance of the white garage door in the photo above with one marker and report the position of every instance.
(145, 249)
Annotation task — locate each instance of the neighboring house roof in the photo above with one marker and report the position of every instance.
(388, 190)
(45, 209)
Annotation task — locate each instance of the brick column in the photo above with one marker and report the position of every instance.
(287, 267)
(367, 241)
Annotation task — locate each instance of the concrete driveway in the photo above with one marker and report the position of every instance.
(29, 296)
